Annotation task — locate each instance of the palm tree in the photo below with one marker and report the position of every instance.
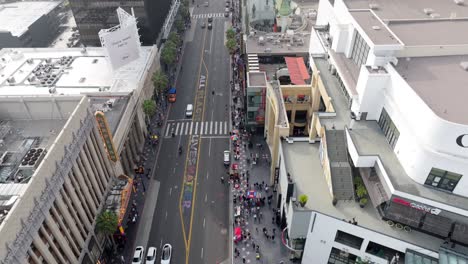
(160, 82)
(107, 223)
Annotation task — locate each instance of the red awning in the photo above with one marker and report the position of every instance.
(297, 70)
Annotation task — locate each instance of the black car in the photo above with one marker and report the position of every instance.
(210, 19)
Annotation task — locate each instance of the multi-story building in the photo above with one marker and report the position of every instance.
(92, 16)
(387, 114)
(48, 101)
(29, 23)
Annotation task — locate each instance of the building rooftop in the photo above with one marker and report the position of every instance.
(16, 17)
(374, 28)
(42, 71)
(113, 108)
(440, 82)
(257, 79)
(414, 22)
(302, 161)
(278, 44)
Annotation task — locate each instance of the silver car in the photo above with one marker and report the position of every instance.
(138, 255)
(151, 256)
(166, 254)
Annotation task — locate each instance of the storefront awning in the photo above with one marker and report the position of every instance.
(436, 224)
(297, 70)
(460, 233)
(403, 214)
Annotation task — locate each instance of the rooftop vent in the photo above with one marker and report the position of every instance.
(95, 61)
(464, 65)
(82, 79)
(459, 2)
(32, 158)
(428, 11)
(375, 27)
(435, 15)
(374, 6)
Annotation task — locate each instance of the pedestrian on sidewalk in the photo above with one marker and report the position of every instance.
(243, 259)
(273, 220)
(222, 179)
(274, 231)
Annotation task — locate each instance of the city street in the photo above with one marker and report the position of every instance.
(192, 212)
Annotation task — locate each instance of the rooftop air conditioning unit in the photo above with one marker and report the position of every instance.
(33, 158)
(464, 65)
(428, 11)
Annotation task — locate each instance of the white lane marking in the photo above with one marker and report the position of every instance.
(173, 171)
(211, 127)
(181, 129)
(207, 175)
(225, 127)
(160, 244)
(196, 128)
(209, 149)
(170, 191)
(165, 216)
(211, 41)
(186, 129)
(201, 127)
(167, 130)
(206, 127)
(203, 222)
(191, 126)
(176, 129)
(214, 137)
(201, 252)
(216, 127)
(206, 197)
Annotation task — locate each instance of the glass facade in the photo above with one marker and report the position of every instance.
(92, 16)
(442, 179)
(360, 50)
(388, 128)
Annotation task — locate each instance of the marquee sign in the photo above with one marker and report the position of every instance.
(106, 136)
(462, 141)
(417, 206)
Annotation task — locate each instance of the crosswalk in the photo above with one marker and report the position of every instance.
(213, 15)
(209, 128)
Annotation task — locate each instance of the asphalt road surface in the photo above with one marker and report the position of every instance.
(192, 212)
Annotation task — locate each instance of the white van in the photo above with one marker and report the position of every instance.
(189, 110)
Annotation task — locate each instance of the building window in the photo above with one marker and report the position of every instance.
(382, 251)
(348, 239)
(341, 257)
(360, 50)
(388, 128)
(444, 180)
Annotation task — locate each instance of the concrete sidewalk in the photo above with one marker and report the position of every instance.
(271, 249)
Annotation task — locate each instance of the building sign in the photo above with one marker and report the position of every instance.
(417, 206)
(106, 136)
(462, 141)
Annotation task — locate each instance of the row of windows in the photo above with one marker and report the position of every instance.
(388, 128)
(442, 179)
(360, 50)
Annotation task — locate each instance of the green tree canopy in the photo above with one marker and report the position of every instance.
(184, 11)
(149, 107)
(174, 38)
(169, 53)
(303, 199)
(230, 33)
(179, 24)
(231, 45)
(107, 222)
(160, 81)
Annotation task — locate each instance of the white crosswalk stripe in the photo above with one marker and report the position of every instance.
(209, 128)
(213, 15)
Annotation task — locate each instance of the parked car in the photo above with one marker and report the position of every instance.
(226, 12)
(151, 256)
(210, 19)
(166, 254)
(227, 158)
(138, 255)
(210, 26)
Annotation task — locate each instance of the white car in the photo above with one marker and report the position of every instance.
(189, 109)
(138, 255)
(151, 256)
(166, 254)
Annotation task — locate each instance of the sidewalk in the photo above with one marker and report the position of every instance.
(259, 221)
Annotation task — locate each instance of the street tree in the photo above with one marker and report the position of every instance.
(184, 11)
(169, 53)
(149, 108)
(107, 223)
(230, 33)
(231, 45)
(174, 38)
(179, 24)
(160, 82)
